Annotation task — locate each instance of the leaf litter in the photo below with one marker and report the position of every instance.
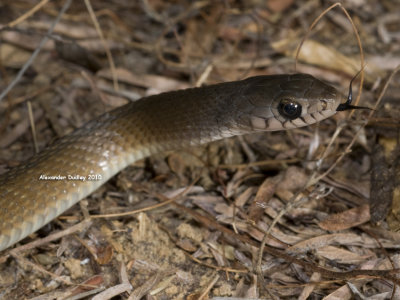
(213, 205)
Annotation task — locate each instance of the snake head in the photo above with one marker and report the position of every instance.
(281, 102)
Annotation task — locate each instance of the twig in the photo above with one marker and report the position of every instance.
(55, 236)
(152, 207)
(350, 145)
(36, 52)
(106, 48)
(209, 287)
(33, 128)
(313, 179)
(28, 13)
(118, 289)
(358, 41)
(39, 268)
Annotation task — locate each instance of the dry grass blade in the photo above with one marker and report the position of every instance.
(362, 64)
(350, 145)
(28, 14)
(105, 45)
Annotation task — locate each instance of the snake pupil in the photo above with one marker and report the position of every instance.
(289, 109)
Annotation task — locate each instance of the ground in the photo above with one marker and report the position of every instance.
(320, 203)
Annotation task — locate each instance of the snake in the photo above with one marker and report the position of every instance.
(46, 185)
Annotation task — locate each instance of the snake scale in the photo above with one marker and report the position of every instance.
(41, 189)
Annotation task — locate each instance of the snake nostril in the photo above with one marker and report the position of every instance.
(289, 109)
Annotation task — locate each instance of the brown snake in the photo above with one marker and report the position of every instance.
(39, 190)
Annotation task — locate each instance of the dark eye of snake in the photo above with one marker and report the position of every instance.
(289, 109)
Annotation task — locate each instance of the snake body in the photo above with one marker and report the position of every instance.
(39, 190)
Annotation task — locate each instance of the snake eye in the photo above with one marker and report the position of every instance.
(289, 109)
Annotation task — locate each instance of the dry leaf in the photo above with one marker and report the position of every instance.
(12, 56)
(279, 5)
(341, 256)
(347, 219)
(315, 53)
